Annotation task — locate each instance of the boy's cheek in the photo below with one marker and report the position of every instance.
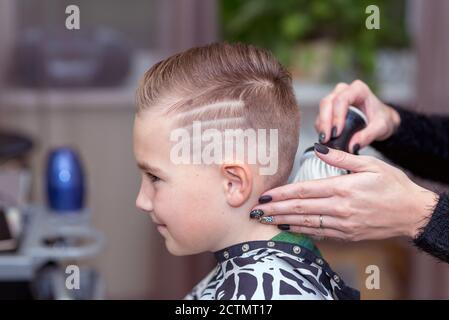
(191, 236)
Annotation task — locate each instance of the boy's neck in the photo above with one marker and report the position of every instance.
(249, 231)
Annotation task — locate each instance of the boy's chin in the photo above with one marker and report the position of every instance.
(177, 250)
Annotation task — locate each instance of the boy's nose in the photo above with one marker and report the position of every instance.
(143, 202)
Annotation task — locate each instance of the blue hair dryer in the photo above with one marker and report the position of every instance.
(65, 181)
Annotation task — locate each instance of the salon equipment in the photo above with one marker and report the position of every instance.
(311, 167)
(14, 182)
(48, 243)
(65, 181)
(7, 239)
(36, 243)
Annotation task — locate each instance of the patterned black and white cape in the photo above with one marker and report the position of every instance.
(271, 270)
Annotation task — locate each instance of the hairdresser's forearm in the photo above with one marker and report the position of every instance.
(420, 144)
(433, 238)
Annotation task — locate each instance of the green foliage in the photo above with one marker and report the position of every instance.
(282, 25)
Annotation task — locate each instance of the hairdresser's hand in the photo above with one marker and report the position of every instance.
(375, 201)
(382, 119)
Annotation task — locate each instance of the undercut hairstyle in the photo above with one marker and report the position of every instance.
(227, 86)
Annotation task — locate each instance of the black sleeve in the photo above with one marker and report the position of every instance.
(420, 144)
(434, 237)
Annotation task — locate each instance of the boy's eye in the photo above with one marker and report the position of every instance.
(152, 177)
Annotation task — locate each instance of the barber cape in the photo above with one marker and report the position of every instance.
(287, 267)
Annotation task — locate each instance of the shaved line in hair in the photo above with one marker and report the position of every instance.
(217, 107)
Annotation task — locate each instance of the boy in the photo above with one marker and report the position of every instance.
(199, 184)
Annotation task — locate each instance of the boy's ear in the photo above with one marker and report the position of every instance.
(238, 183)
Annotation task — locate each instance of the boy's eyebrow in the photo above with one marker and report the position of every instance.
(146, 167)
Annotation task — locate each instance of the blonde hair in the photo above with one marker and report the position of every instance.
(231, 85)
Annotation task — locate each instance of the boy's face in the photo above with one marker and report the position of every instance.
(181, 199)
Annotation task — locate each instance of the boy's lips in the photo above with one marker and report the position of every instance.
(157, 223)
(160, 225)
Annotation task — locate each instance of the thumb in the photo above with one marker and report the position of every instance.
(344, 160)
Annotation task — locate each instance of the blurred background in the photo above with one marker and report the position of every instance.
(67, 104)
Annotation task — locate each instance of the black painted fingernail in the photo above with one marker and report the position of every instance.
(334, 132)
(321, 149)
(356, 149)
(255, 214)
(265, 199)
(321, 137)
(284, 227)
